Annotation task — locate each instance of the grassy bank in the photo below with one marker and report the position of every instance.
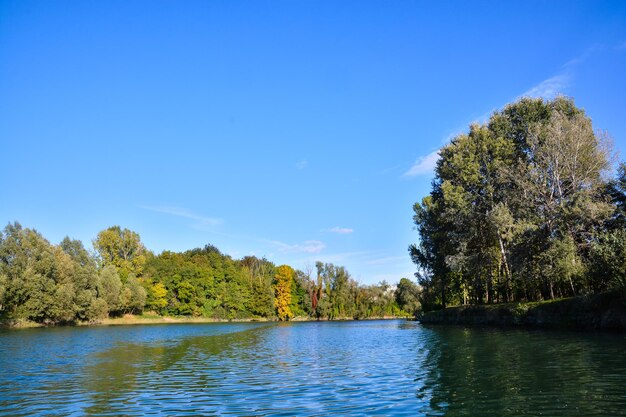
(127, 320)
(605, 311)
(130, 319)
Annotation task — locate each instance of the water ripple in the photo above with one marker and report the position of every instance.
(344, 368)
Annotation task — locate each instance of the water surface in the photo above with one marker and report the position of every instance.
(327, 368)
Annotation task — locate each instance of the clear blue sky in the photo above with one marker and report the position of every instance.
(296, 130)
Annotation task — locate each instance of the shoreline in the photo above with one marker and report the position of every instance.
(605, 312)
(135, 320)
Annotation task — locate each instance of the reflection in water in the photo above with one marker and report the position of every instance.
(518, 372)
(358, 368)
(131, 376)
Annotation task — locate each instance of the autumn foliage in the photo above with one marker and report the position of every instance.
(284, 278)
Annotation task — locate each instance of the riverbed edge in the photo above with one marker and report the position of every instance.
(132, 320)
(605, 311)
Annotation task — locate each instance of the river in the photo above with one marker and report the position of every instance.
(390, 367)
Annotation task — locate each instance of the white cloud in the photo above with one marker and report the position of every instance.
(341, 230)
(424, 165)
(549, 88)
(201, 222)
(387, 260)
(308, 246)
(301, 164)
(553, 86)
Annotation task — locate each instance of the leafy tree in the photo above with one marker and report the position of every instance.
(110, 287)
(156, 297)
(3, 289)
(515, 206)
(282, 285)
(132, 296)
(608, 254)
(97, 311)
(617, 192)
(84, 278)
(121, 248)
(407, 296)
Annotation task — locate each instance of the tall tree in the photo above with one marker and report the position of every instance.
(617, 192)
(407, 296)
(283, 282)
(514, 207)
(121, 248)
(110, 287)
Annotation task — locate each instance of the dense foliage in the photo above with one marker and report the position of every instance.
(521, 210)
(65, 283)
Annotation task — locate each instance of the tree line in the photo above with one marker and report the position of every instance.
(523, 208)
(66, 283)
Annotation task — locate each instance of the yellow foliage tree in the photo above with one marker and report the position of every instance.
(159, 294)
(282, 288)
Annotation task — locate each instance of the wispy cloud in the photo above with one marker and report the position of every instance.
(621, 46)
(341, 230)
(557, 84)
(201, 222)
(424, 165)
(549, 88)
(308, 246)
(386, 260)
(302, 164)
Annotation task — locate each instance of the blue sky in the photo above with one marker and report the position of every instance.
(295, 130)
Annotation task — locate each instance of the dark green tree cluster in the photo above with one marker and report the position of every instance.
(521, 210)
(65, 283)
(61, 283)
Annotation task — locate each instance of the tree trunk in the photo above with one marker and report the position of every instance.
(443, 293)
(507, 270)
(551, 290)
(571, 283)
(488, 291)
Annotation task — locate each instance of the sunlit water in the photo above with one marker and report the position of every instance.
(328, 368)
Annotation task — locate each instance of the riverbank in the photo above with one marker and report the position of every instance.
(131, 319)
(605, 311)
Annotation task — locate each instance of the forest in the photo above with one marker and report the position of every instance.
(524, 207)
(66, 283)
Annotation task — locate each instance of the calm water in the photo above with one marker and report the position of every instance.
(336, 368)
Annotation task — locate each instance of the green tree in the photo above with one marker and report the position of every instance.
(132, 296)
(38, 278)
(617, 192)
(514, 206)
(121, 248)
(407, 296)
(3, 290)
(110, 287)
(608, 254)
(84, 279)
